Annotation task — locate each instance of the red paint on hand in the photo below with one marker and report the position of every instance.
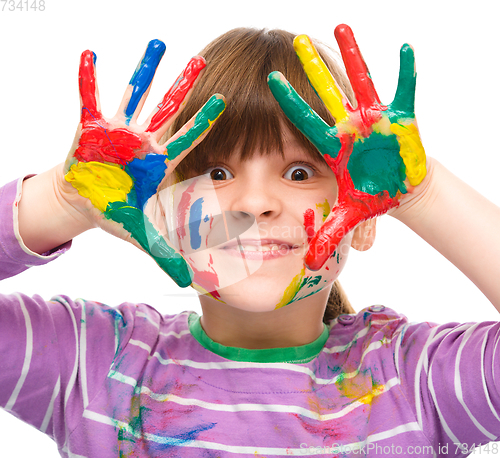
(117, 146)
(356, 68)
(353, 207)
(309, 224)
(97, 142)
(87, 86)
(177, 93)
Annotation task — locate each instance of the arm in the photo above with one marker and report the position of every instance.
(15, 257)
(448, 374)
(460, 223)
(116, 165)
(56, 356)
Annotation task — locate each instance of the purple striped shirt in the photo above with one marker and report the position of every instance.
(129, 382)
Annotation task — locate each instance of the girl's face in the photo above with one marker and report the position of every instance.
(244, 227)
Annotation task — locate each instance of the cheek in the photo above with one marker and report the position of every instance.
(338, 259)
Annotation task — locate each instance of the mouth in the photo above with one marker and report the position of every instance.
(263, 249)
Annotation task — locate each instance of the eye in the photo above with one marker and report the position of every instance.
(299, 172)
(219, 173)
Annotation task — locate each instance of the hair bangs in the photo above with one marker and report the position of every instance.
(238, 64)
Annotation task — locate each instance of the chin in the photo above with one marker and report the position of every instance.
(259, 293)
(272, 284)
(254, 294)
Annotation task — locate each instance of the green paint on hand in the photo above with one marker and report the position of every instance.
(140, 228)
(203, 120)
(404, 100)
(317, 131)
(375, 165)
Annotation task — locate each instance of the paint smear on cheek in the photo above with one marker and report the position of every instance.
(324, 208)
(195, 222)
(206, 281)
(292, 289)
(182, 209)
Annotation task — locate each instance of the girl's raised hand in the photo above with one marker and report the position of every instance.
(374, 150)
(116, 165)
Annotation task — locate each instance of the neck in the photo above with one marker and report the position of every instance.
(298, 323)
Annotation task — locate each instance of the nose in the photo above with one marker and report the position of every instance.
(257, 197)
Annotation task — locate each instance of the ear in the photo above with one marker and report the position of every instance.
(364, 235)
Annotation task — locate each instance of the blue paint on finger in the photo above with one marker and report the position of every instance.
(143, 75)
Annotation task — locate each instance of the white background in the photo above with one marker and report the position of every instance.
(456, 46)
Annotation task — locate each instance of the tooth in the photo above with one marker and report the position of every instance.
(248, 248)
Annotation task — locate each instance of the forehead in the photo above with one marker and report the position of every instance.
(291, 149)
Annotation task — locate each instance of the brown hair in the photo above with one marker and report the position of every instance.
(238, 63)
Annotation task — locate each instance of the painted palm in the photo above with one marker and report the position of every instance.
(374, 150)
(118, 164)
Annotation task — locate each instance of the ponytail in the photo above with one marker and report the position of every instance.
(337, 303)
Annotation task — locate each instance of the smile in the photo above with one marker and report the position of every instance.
(259, 250)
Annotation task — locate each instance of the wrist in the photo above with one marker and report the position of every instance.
(45, 219)
(415, 204)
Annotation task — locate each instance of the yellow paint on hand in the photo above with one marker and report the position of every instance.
(325, 207)
(412, 152)
(291, 290)
(100, 183)
(383, 126)
(320, 77)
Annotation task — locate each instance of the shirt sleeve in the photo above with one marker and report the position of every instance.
(450, 374)
(15, 256)
(54, 355)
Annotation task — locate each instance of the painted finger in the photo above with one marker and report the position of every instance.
(193, 132)
(341, 221)
(356, 68)
(89, 94)
(320, 77)
(411, 151)
(142, 230)
(404, 100)
(139, 84)
(319, 133)
(175, 97)
(353, 207)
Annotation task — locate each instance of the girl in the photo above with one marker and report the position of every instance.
(259, 222)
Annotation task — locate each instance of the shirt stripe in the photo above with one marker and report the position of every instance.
(27, 356)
